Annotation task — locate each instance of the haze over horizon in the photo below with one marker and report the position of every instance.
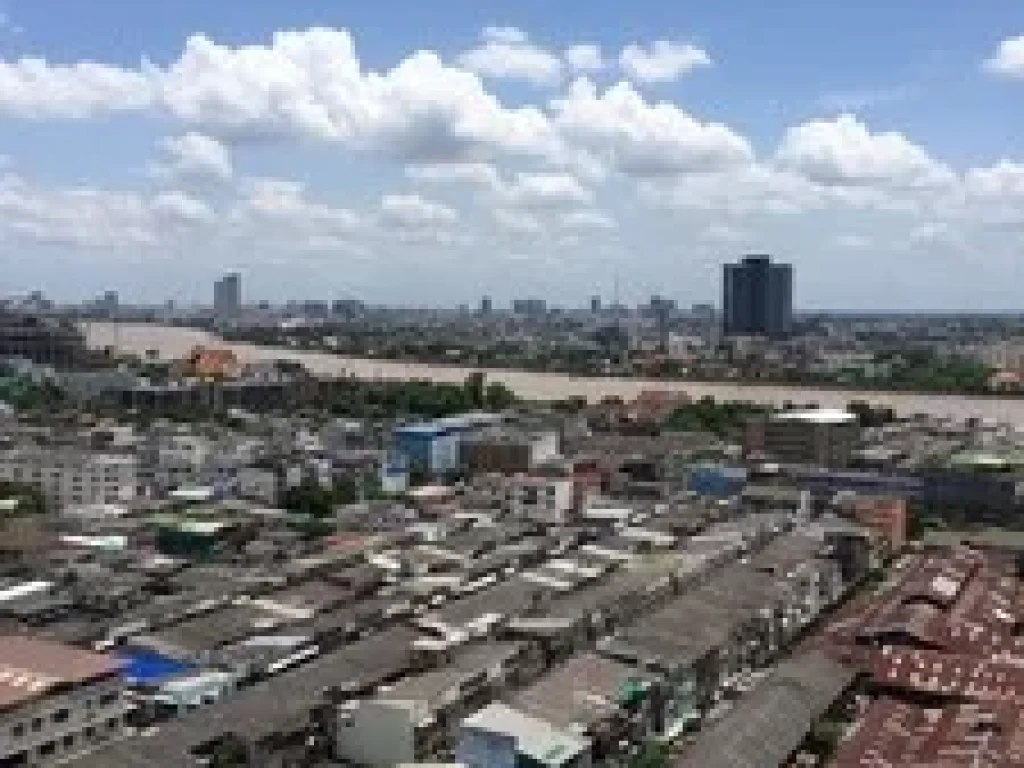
(427, 154)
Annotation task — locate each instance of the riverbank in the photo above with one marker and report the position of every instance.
(171, 341)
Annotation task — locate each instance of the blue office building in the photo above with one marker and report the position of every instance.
(434, 446)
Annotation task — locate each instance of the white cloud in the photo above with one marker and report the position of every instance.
(517, 221)
(663, 61)
(311, 83)
(416, 211)
(541, 170)
(509, 34)
(33, 88)
(844, 152)
(524, 189)
(630, 135)
(994, 195)
(1008, 60)
(739, 191)
(853, 242)
(587, 219)
(545, 189)
(86, 218)
(481, 174)
(278, 208)
(195, 155)
(182, 208)
(584, 58)
(507, 53)
(1004, 180)
(930, 231)
(722, 234)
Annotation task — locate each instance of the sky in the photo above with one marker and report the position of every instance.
(430, 153)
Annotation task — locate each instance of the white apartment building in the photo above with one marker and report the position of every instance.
(70, 477)
(544, 499)
(183, 459)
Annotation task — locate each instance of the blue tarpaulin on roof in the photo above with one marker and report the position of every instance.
(149, 668)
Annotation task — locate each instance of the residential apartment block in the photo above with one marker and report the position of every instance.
(73, 477)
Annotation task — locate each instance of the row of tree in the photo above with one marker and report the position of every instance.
(419, 399)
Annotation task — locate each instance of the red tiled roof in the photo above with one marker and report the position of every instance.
(896, 734)
(950, 674)
(949, 630)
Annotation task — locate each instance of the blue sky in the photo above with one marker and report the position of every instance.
(876, 145)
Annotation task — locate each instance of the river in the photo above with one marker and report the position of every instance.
(173, 342)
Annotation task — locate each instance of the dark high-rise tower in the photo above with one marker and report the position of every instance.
(757, 298)
(227, 295)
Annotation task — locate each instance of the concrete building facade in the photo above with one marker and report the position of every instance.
(822, 438)
(55, 701)
(72, 477)
(507, 452)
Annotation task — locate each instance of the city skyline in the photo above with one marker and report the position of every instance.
(428, 157)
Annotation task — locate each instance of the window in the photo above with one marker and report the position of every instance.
(108, 698)
(112, 724)
(61, 716)
(48, 748)
(68, 741)
(90, 732)
(37, 723)
(18, 731)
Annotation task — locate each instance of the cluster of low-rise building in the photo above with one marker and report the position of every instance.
(552, 602)
(530, 587)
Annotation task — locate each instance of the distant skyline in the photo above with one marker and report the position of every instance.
(428, 154)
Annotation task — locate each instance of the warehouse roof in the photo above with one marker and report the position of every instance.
(768, 725)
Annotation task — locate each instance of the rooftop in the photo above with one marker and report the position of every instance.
(280, 704)
(30, 668)
(581, 692)
(534, 738)
(766, 726)
(435, 687)
(817, 416)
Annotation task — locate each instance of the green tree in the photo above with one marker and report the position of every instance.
(229, 752)
(30, 499)
(313, 501)
(475, 389)
(652, 755)
(499, 397)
